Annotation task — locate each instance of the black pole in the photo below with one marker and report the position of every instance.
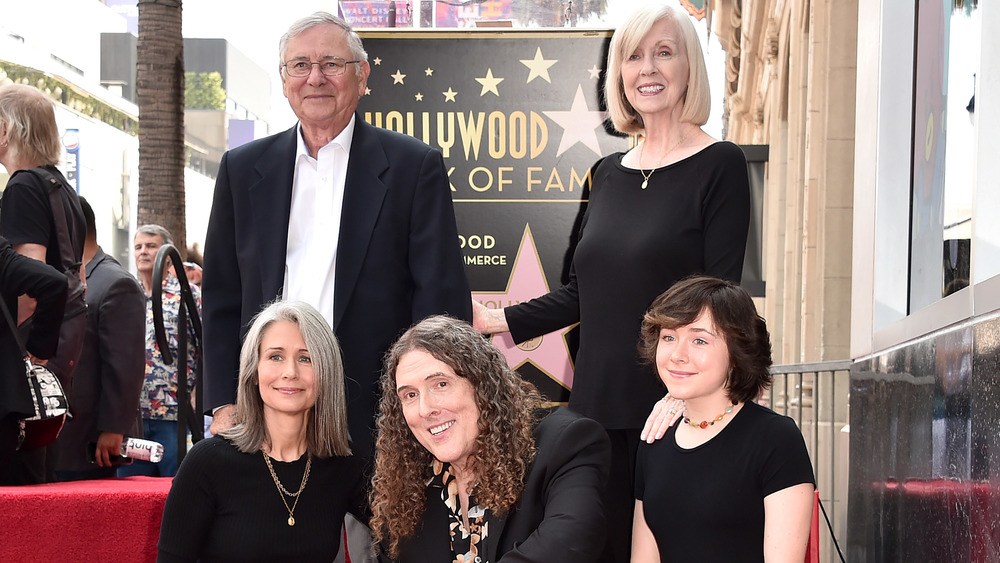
(186, 417)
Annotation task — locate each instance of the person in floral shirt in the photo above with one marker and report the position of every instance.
(158, 400)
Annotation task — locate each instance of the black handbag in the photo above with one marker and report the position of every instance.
(47, 396)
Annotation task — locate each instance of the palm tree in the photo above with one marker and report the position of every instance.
(160, 95)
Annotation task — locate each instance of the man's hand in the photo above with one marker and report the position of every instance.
(665, 413)
(108, 444)
(193, 272)
(223, 418)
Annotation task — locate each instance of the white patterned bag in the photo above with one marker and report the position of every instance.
(51, 408)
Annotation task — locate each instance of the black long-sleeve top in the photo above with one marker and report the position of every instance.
(224, 506)
(634, 244)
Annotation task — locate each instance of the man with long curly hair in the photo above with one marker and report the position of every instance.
(469, 467)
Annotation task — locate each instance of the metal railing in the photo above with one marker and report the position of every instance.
(815, 395)
(188, 419)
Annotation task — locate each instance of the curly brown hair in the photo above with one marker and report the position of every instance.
(733, 313)
(504, 448)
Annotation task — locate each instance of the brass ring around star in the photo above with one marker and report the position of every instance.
(530, 345)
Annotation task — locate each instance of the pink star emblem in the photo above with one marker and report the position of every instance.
(550, 352)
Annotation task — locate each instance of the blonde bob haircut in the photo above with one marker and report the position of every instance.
(697, 99)
(30, 120)
(326, 434)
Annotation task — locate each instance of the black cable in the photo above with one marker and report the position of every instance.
(833, 536)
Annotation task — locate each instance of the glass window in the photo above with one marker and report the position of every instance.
(945, 69)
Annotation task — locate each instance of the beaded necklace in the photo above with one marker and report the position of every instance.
(706, 423)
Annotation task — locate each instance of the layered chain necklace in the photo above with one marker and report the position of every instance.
(284, 492)
(642, 151)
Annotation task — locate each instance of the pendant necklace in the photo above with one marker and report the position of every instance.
(642, 150)
(284, 492)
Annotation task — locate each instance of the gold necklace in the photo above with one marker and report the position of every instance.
(642, 151)
(281, 489)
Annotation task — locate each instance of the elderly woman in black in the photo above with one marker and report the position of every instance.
(677, 204)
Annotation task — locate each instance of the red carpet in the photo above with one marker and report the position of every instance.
(106, 520)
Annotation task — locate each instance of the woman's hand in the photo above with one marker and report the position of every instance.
(665, 413)
(486, 320)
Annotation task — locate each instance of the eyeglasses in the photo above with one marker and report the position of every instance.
(330, 66)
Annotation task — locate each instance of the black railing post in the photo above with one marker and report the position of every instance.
(188, 419)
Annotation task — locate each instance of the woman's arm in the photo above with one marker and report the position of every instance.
(488, 321)
(726, 215)
(25, 303)
(644, 548)
(787, 517)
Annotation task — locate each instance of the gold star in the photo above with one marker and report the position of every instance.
(449, 96)
(489, 83)
(368, 91)
(377, 61)
(419, 97)
(595, 72)
(539, 66)
(429, 71)
(398, 77)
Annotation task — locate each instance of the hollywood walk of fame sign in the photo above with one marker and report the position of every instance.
(520, 119)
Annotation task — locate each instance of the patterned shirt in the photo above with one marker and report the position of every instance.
(464, 542)
(159, 388)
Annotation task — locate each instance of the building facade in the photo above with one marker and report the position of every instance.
(880, 247)
(85, 61)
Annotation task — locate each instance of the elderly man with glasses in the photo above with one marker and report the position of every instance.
(352, 219)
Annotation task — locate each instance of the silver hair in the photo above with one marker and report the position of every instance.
(326, 433)
(320, 18)
(154, 229)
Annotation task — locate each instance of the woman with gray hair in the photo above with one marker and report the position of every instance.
(277, 485)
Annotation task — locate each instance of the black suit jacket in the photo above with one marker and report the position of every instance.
(560, 516)
(108, 378)
(398, 258)
(20, 274)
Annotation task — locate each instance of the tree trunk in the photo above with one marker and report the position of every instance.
(160, 95)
